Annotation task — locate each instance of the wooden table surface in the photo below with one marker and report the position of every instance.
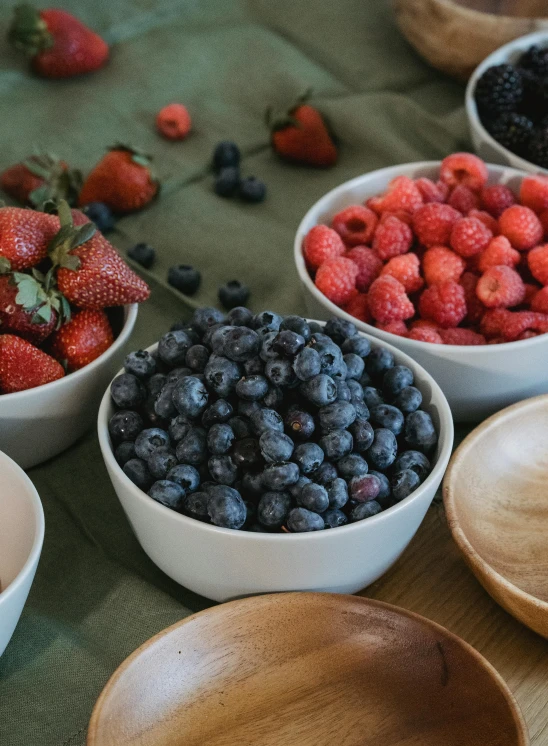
(432, 579)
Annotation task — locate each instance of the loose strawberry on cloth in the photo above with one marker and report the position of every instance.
(40, 178)
(301, 135)
(23, 366)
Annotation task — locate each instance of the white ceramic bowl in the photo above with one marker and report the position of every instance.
(484, 144)
(21, 538)
(223, 564)
(477, 381)
(37, 424)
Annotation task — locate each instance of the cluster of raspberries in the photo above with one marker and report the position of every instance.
(454, 261)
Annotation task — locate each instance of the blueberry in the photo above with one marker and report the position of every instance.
(226, 507)
(156, 383)
(241, 343)
(300, 520)
(299, 424)
(352, 465)
(252, 388)
(137, 470)
(167, 493)
(336, 444)
(339, 330)
(280, 372)
(149, 413)
(214, 337)
(320, 390)
(366, 379)
(288, 342)
(408, 400)
(140, 364)
(173, 346)
(184, 326)
(248, 408)
(331, 359)
(313, 497)
(163, 404)
(396, 379)
(267, 319)
(222, 469)
(195, 505)
(185, 475)
(247, 453)
(337, 491)
(420, 431)
(227, 182)
(364, 510)
(356, 390)
(125, 425)
(337, 416)
(266, 419)
(273, 508)
(192, 448)
(309, 457)
(220, 411)
(150, 440)
(127, 391)
(342, 371)
(220, 439)
(279, 476)
(275, 446)
(295, 489)
(354, 365)
(226, 154)
(190, 397)
(365, 487)
(298, 325)
(363, 435)
(233, 295)
(177, 374)
(343, 390)
(372, 397)
(267, 351)
(241, 427)
(385, 415)
(325, 474)
(197, 357)
(273, 398)
(161, 461)
(251, 509)
(379, 361)
(184, 278)
(315, 327)
(203, 318)
(334, 518)
(385, 492)
(252, 484)
(254, 366)
(240, 316)
(356, 344)
(252, 189)
(222, 375)
(143, 254)
(102, 216)
(124, 452)
(307, 364)
(414, 460)
(382, 452)
(403, 483)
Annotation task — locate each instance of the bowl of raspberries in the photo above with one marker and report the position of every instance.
(507, 104)
(445, 260)
(260, 453)
(68, 303)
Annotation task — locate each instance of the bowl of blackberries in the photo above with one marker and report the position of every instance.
(507, 104)
(257, 453)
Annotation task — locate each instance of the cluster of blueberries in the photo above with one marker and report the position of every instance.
(269, 423)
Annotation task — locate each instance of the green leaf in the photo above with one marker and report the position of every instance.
(27, 293)
(37, 168)
(65, 215)
(40, 195)
(42, 315)
(38, 276)
(83, 234)
(5, 265)
(70, 262)
(65, 308)
(141, 160)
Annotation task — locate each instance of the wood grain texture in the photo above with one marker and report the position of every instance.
(310, 670)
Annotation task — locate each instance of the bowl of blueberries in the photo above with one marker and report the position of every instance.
(258, 453)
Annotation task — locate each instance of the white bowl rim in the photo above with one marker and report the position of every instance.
(470, 103)
(39, 520)
(388, 337)
(446, 437)
(125, 331)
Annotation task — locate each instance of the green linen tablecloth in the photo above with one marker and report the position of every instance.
(97, 596)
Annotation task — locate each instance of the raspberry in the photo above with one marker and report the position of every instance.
(392, 238)
(461, 337)
(518, 322)
(445, 304)
(539, 301)
(375, 204)
(475, 308)
(443, 189)
(530, 292)
(527, 334)
(543, 217)
(469, 236)
(394, 327)
(424, 324)
(321, 243)
(336, 279)
(488, 220)
(440, 265)
(463, 199)
(358, 307)
(424, 334)
(402, 194)
(493, 321)
(521, 227)
(533, 192)
(498, 252)
(430, 191)
(173, 122)
(500, 287)
(496, 198)
(537, 259)
(433, 223)
(405, 269)
(464, 168)
(388, 300)
(355, 225)
(405, 217)
(369, 266)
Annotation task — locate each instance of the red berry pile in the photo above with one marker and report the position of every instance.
(455, 261)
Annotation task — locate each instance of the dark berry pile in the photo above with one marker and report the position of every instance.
(512, 103)
(270, 423)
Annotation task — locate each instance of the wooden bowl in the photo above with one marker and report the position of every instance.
(306, 669)
(496, 499)
(456, 35)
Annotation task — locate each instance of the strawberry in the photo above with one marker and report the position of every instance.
(302, 136)
(25, 236)
(59, 44)
(23, 366)
(41, 178)
(122, 179)
(86, 336)
(91, 273)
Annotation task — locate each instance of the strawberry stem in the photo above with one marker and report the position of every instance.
(29, 32)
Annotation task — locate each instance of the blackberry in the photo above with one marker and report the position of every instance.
(538, 148)
(513, 131)
(499, 90)
(535, 59)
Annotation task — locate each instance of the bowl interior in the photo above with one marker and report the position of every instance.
(304, 669)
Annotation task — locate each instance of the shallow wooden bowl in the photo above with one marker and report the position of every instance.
(456, 35)
(496, 498)
(306, 669)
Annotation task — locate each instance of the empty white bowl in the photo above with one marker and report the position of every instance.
(21, 538)
(223, 564)
(477, 381)
(484, 144)
(37, 424)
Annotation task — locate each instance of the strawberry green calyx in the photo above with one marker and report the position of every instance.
(68, 238)
(280, 120)
(138, 155)
(29, 32)
(5, 266)
(60, 182)
(38, 294)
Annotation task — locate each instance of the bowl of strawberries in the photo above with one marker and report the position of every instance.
(445, 260)
(68, 303)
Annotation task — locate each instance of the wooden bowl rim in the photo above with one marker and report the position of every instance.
(267, 598)
(449, 501)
